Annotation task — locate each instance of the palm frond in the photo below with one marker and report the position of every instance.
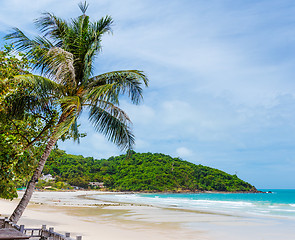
(53, 62)
(20, 40)
(114, 111)
(37, 84)
(33, 93)
(35, 50)
(71, 108)
(61, 65)
(75, 132)
(93, 44)
(93, 47)
(113, 84)
(83, 6)
(77, 42)
(38, 53)
(102, 93)
(114, 124)
(84, 42)
(103, 25)
(52, 26)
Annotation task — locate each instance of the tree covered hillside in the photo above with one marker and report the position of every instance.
(142, 172)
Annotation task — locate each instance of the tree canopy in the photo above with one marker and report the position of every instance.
(17, 134)
(142, 172)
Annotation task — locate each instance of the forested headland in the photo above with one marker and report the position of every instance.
(149, 172)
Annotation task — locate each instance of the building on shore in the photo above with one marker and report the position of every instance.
(96, 184)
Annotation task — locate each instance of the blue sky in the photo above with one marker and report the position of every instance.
(221, 73)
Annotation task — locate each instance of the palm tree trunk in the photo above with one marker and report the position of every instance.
(31, 185)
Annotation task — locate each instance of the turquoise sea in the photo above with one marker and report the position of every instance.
(278, 203)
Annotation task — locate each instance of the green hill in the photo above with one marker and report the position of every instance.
(142, 172)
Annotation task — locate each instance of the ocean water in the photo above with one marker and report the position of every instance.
(279, 203)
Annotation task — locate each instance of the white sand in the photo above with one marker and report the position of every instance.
(66, 212)
(69, 212)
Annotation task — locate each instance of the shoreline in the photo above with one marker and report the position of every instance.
(104, 220)
(156, 192)
(77, 213)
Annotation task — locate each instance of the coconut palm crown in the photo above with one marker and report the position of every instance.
(64, 54)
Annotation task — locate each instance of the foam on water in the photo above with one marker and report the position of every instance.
(281, 203)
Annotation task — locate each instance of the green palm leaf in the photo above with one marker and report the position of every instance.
(112, 84)
(114, 124)
(33, 93)
(52, 26)
(71, 109)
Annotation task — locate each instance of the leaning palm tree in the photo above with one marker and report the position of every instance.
(64, 54)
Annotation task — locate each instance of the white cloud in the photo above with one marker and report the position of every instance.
(183, 152)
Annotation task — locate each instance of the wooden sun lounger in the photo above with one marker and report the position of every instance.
(12, 234)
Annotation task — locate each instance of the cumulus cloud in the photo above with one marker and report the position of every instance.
(183, 152)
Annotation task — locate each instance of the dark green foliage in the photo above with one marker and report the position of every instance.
(17, 153)
(142, 172)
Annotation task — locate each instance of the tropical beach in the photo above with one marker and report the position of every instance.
(86, 213)
(181, 116)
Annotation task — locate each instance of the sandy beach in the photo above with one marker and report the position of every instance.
(80, 214)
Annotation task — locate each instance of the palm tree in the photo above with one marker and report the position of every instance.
(64, 54)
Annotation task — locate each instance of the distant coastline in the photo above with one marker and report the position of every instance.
(105, 191)
(183, 191)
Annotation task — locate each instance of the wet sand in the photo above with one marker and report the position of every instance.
(77, 213)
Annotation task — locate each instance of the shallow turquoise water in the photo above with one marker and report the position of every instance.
(278, 196)
(279, 203)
